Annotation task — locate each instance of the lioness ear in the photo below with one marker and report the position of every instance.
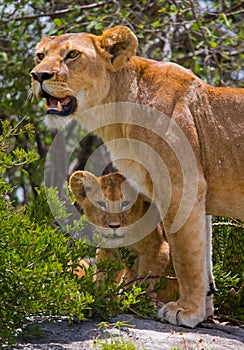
(82, 182)
(120, 43)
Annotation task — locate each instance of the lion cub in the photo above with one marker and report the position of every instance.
(111, 202)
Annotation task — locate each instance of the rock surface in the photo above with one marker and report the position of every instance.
(146, 334)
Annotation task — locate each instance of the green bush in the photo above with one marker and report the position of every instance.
(228, 261)
(33, 255)
(35, 278)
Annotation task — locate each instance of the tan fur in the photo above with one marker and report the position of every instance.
(80, 268)
(152, 252)
(211, 118)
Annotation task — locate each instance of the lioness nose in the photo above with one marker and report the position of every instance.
(114, 226)
(41, 76)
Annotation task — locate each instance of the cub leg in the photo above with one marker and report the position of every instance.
(153, 255)
(154, 260)
(105, 253)
(188, 249)
(154, 263)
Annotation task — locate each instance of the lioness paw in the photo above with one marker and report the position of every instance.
(172, 313)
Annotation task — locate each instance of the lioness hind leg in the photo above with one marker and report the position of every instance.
(211, 285)
(188, 254)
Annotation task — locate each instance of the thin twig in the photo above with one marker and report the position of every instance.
(57, 13)
(239, 225)
(171, 278)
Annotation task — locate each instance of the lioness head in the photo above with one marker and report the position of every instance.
(73, 71)
(108, 201)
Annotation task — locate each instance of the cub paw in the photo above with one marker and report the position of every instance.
(172, 313)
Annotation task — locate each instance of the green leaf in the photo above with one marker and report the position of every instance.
(213, 44)
(195, 26)
(58, 22)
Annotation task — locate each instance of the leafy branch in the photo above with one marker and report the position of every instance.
(57, 13)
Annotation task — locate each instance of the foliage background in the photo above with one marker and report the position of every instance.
(205, 36)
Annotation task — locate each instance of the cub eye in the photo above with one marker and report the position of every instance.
(125, 204)
(73, 54)
(102, 205)
(40, 56)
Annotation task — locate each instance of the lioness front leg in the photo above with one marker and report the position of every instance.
(188, 255)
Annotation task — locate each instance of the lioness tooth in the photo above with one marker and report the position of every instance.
(46, 106)
(59, 107)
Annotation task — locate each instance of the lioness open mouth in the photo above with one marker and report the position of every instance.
(59, 106)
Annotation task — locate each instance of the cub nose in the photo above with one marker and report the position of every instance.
(114, 226)
(41, 76)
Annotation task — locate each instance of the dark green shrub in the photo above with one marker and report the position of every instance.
(35, 278)
(228, 260)
(33, 255)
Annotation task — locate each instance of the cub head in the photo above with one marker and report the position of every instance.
(110, 202)
(72, 71)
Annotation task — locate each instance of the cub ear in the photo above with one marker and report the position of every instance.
(82, 182)
(120, 43)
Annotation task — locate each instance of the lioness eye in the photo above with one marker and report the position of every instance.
(125, 204)
(73, 54)
(101, 204)
(40, 56)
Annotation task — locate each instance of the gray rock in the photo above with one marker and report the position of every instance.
(146, 334)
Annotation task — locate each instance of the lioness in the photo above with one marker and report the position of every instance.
(108, 204)
(75, 72)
